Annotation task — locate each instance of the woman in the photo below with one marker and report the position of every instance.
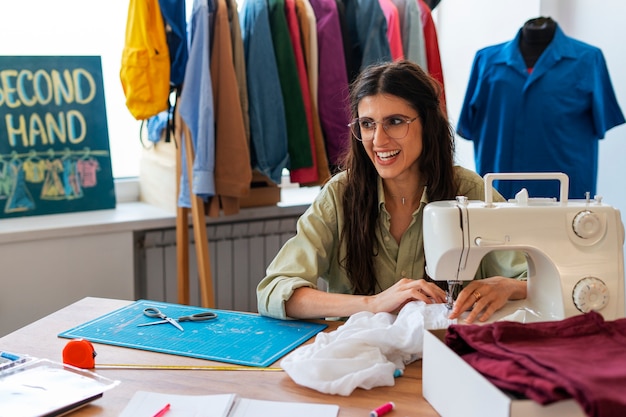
(363, 233)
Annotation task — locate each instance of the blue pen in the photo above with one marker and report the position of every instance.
(9, 356)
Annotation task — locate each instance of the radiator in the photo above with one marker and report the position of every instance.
(239, 253)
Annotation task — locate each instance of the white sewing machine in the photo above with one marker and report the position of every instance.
(574, 249)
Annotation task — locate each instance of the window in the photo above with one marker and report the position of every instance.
(80, 27)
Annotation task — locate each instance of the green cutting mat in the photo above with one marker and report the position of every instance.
(233, 337)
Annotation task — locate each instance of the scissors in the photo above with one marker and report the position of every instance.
(155, 312)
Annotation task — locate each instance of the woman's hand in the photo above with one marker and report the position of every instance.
(310, 303)
(487, 296)
(395, 297)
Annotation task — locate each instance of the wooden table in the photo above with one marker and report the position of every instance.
(40, 339)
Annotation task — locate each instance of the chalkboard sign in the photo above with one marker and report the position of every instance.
(54, 141)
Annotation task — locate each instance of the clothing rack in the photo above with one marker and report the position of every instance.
(198, 222)
(290, 70)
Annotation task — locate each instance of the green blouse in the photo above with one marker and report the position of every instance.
(314, 252)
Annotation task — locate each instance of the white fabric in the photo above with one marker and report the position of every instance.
(366, 350)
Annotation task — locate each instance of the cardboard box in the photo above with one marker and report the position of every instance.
(454, 388)
(263, 192)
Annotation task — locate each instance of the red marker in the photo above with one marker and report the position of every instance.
(382, 410)
(162, 411)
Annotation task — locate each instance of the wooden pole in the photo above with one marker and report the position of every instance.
(182, 223)
(199, 228)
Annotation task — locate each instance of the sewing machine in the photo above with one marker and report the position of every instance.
(574, 249)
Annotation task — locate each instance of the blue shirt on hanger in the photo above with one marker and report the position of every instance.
(196, 109)
(268, 123)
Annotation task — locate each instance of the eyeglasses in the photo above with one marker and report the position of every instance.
(396, 127)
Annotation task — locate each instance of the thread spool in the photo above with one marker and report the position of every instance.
(383, 409)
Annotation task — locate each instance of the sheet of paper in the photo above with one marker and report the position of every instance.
(246, 407)
(147, 404)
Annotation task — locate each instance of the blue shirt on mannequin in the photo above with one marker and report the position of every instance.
(545, 120)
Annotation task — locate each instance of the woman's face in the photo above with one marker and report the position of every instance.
(393, 158)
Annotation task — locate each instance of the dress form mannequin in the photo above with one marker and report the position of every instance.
(536, 36)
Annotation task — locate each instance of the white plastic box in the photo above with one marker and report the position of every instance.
(454, 388)
(39, 387)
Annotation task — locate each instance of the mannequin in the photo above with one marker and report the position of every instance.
(536, 36)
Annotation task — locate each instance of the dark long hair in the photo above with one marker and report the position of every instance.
(408, 81)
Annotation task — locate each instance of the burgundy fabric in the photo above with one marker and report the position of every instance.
(581, 357)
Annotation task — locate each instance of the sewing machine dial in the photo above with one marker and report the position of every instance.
(587, 225)
(590, 293)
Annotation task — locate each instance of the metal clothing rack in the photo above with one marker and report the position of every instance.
(198, 221)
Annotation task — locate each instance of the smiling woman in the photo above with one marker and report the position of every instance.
(79, 27)
(363, 233)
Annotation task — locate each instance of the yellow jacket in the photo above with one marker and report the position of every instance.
(145, 72)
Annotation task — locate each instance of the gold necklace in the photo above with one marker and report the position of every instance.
(403, 198)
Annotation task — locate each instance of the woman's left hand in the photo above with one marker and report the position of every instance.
(487, 296)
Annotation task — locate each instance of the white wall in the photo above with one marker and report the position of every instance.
(41, 276)
(602, 24)
(463, 27)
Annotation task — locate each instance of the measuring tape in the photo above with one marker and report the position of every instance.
(185, 367)
(79, 353)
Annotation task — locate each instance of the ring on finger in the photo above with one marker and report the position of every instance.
(476, 295)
